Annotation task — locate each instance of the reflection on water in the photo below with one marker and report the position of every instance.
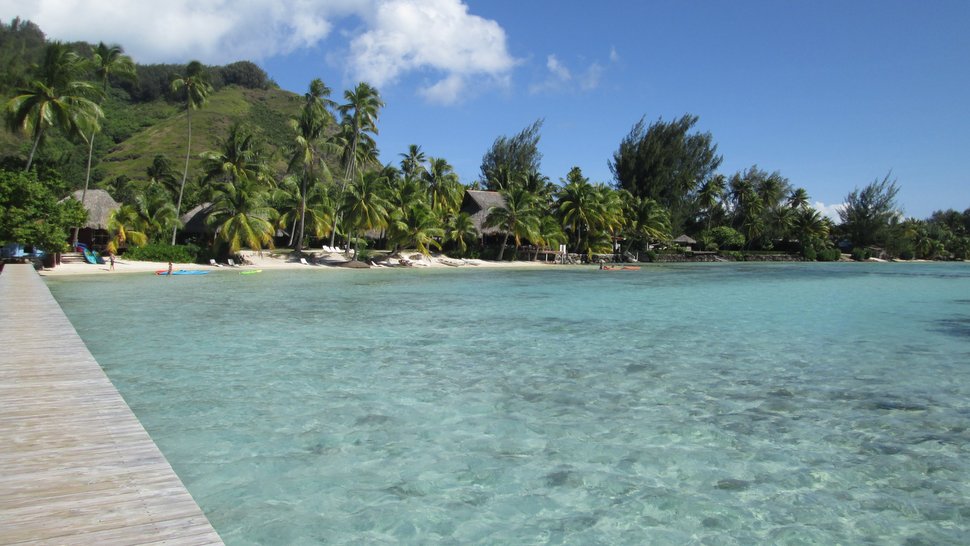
(721, 403)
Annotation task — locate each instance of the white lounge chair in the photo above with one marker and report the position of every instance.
(303, 261)
(231, 263)
(213, 263)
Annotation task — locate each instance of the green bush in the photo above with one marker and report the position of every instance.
(860, 254)
(650, 256)
(907, 254)
(829, 255)
(161, 252)
(809, 253)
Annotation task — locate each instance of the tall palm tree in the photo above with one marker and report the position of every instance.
(195, 83)
(798, 198)
(516, 218)
(710, 196)
(316, 209)
(240, 157)
(460, 229)
(57, 98)
(310, 128)
(359, 121)
(651, 221)
(418, 225)
(156, 211)
(107, 61)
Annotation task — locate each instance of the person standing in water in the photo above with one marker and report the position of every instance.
(169, 268)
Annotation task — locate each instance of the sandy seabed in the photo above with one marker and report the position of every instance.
(269, 260)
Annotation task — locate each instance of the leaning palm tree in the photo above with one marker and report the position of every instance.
(58, 98)
(107, 61)
(195, 84)
(359, 121)
(460, 229)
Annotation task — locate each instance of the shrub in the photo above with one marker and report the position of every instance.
(907, 254)
(649, 256)
(829, 255)
(809, 253)
(860, 254)
(725, 237)
(161, 252)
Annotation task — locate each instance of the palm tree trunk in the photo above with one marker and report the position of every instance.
(185, 173)
(501, 250)
(299, 241)
(87, 180)
(33, 148)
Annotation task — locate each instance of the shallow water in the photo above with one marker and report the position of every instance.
(693, 404)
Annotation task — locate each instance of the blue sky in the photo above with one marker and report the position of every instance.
(832, 94)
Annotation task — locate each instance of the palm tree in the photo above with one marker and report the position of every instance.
(798, 198)
(106, 61)
(418, 225)
(57, 98)
(651, 220)
(241, 214)
(240, 157)
(444, 189)
(359, 120)
(710, 196)
(126, 225)
(364, 207)
(156, 211)
(460, 229)
(577, 207)
(310, 130)
(196, 86)
(412, 162)
(316, 208)
(516, 218)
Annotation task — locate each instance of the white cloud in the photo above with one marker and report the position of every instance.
(614, 56)
(831, 211)
(591, 78)
(213, 31)
(436, 35)
(557, 68)
(397, 36)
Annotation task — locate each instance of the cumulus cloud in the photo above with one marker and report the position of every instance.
(430, 35)
(614, 56)
(213, 31)
(559, 77)
(395, 37)
(830, 211)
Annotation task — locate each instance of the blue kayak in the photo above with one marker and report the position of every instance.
(183, 272)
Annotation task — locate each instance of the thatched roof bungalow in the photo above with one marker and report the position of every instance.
(100, 205)
(478, 204)
(193, 221)
(684, 240)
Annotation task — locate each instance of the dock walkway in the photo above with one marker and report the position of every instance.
(76, 466)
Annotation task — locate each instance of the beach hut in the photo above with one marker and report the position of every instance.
(193, 222)
(477, 204)
(99, 205)
(684, 240)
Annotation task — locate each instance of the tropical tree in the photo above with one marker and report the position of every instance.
(241, 214)
(413, 162)
(316, 209)
(310, 128)
(867, 212)
(444, 189)
(460, 229)
(516, 218)
(240, 157)
(155, 211)
(417, 225)
(364, 207)
(511, 159)
(195, 85)
(358, 123)
(651, 221)
(126, 225)
(58, 98)
(106, 61)
(711, 196)
(578, 208)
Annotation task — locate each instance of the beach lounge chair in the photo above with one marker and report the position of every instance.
(213, 263)
(231, 263)
(303, 261)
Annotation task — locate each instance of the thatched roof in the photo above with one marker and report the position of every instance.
(685, 240)
(193, 222)
(99, 205)
(478, 204)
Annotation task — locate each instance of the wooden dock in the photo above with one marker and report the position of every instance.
(76, 466)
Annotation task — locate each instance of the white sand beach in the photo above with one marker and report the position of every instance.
(269, 260)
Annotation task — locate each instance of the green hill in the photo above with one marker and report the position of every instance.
(266, 110)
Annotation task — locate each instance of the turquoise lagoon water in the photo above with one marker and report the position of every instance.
(701, 404)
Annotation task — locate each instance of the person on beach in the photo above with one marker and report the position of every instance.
(111, 261)
(169, 268)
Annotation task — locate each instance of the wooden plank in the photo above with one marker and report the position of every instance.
(76, 466)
